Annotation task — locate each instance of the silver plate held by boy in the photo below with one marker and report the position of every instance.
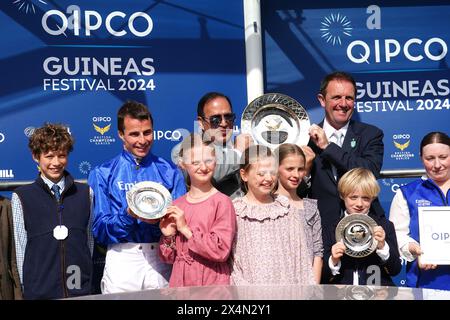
(149, 200)
(356, 231)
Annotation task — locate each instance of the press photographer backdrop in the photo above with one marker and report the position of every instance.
(76, 62)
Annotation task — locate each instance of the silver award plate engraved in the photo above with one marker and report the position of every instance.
(356, 231)
(274, 118)
(149, 200)
(60, 232)
(359, 293)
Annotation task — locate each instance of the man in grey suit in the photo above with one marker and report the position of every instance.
(216, 120)
(340, 144)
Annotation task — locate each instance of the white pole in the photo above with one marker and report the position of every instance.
(253, 49)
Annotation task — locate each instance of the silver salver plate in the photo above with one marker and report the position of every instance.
(149, 200)
(359, 293)
(274, 118)
(356, 231)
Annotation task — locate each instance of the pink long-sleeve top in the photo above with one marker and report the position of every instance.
(203, 259)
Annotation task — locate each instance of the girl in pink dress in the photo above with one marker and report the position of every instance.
(198, 229)
(291, 171)
(270, 246)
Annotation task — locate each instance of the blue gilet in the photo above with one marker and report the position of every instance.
(421, 193)
(51, 265)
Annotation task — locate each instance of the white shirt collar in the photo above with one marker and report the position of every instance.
(329, 130)
(61, 183)
(346, 214)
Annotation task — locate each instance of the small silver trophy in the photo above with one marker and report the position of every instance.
(356, 231)
(149, 200)
(274, 118)
(359, 293)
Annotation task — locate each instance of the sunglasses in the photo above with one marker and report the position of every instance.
(216, 120)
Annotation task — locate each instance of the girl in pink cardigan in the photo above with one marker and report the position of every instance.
(198, 229)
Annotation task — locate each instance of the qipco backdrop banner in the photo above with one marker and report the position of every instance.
(76, 62)
(397, 52)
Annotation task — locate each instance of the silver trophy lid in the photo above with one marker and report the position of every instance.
(274, 118)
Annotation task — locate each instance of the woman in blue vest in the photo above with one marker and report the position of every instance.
(430, 190)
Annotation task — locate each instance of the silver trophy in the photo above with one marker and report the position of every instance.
(149, 200)
(359, 293)
(274, 118)
(356, 231)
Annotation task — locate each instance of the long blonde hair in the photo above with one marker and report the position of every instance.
(286, 149)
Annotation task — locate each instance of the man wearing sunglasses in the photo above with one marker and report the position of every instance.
(216, 120)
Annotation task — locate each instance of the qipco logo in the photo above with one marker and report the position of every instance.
(116, 23)
(101, 119)
(401, 136)
(414, 50)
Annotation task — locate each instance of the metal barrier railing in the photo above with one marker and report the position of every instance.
(402, 173)
(397, 173)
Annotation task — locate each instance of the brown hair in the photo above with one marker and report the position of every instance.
(134, 110)
(358, 178)
(337, 75)
(286, 149)
(250, 156)
(434, 137)
(50, 137)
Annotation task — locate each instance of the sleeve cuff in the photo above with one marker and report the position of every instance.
(169, 242)
(384, 253)
(334, 268)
